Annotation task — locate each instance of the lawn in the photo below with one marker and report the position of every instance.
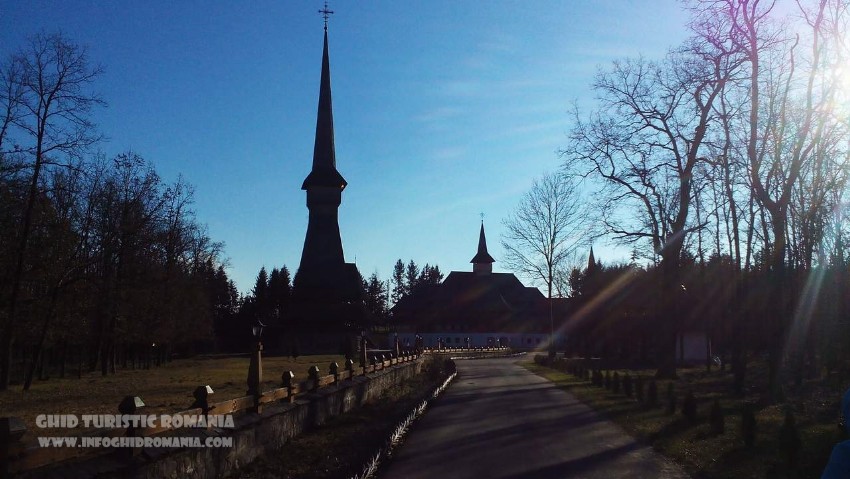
(707, 455)
(165, 389)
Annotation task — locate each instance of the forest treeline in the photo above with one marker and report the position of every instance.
(270, 302)
(101, 260)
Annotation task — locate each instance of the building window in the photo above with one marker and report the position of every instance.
(457, 340)
(529, 341)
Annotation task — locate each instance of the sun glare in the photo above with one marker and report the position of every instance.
(842, 85)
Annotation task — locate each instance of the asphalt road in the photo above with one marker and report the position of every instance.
(497, 420)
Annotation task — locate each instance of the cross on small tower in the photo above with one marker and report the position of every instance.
(482, 217)
(326, 14)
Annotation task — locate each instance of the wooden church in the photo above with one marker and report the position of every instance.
(479, 306)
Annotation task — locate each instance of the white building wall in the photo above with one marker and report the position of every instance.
(458, 339)
(692, 347)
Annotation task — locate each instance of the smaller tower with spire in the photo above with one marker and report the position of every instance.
(591, 263)
(482, 262)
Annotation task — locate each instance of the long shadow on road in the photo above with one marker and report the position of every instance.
(498, 420)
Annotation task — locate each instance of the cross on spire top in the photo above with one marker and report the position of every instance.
(326, 14)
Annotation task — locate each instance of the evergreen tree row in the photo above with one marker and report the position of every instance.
(270, 301)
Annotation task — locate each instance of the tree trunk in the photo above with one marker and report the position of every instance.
(6, 356)
(668, 328)
(63, 356)
(779, 319)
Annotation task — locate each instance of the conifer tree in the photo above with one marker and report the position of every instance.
(398, 282)
(261, 294)
(411, 277)
(376, 297)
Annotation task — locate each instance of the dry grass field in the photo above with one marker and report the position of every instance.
(710, 456)
(165, 389)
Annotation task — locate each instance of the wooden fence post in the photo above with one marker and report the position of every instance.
(313, 373)
(131, 405)
(11, 431)
(334, 369)
(288, 382)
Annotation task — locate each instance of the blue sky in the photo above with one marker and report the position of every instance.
(442, 109)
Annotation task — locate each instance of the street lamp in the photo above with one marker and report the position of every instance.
(257, 330)
(255, 369)
(363, 359)
(552, 350)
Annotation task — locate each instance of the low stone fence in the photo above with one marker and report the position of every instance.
(262, 424)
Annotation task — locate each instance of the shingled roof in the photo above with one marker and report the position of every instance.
(497, 301)
(482, 256)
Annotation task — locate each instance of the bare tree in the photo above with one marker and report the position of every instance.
(790, 129)
(643, 147)
(50, 121)
(11, 93)
(544, 232)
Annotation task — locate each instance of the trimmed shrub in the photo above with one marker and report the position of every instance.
(716, 418)
(749, 427)
(639, 388)
(615, 383)
(652, 394)
(689, 408)
(789, 440)
(671, 398)
(589, 374)
(607, 379)
(627, 385)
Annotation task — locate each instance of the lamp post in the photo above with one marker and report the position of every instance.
(255, 369)
(363, 359)
(552, 349)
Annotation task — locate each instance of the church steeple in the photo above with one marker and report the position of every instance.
(327, 302)
(324, 171)
(482, 262)
(322, 255)
(591, 262)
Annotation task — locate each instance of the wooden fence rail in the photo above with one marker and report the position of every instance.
(18, 456)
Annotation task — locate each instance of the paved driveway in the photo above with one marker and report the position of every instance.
(497, 420)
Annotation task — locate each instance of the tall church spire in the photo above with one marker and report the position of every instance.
(324, 171)
(322, 256)
(482, 262)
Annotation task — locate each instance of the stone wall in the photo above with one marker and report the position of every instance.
(253, 436)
